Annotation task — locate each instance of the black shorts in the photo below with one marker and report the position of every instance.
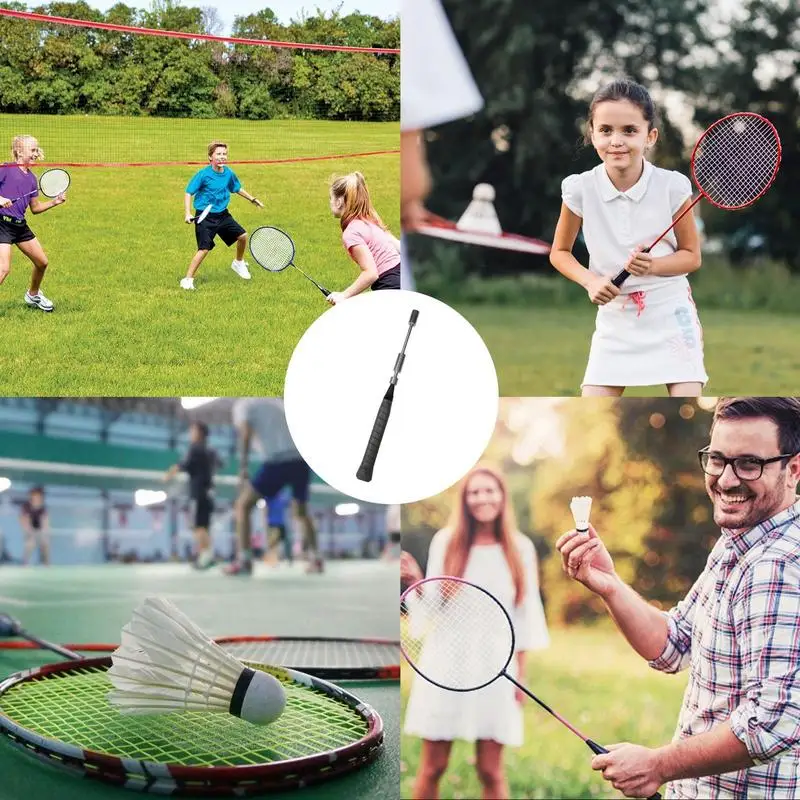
(14, 231)
(222, 225)
(389, 280)
(202, 506)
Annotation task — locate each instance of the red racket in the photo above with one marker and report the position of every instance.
(733, 164)
(441, 228)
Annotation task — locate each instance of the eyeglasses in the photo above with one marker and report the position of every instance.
(746, 468)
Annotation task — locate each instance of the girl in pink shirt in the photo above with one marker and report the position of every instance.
(367, 240)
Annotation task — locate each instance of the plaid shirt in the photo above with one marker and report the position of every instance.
(738, 631)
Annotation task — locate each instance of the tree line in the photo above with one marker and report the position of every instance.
(61, 69)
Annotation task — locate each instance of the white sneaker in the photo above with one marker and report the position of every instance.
(38, 301)
(187, 283)
(240, 268)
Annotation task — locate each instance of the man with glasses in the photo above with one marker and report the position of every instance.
(737, 630)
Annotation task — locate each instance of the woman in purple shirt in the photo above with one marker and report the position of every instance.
(19, 191)
(367, 240)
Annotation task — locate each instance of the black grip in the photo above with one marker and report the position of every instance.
(598, 749)
(623, 274)
(375, 438)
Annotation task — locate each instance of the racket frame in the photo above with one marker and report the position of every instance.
(156, 777)
(441, 228)
(623, 274)
(291, 263)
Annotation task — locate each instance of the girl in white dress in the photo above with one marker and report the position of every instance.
(482, 545)
(647, 332)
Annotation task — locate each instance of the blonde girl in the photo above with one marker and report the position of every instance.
(19, 191)
(367, 240)
(648, 332)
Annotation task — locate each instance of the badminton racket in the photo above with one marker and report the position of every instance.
(274, 251)
(365, 471)
(52, 183)
(60, 713)
(733, 164)
(198, 218)
(459, 637)
(329, 658)
(441, 228)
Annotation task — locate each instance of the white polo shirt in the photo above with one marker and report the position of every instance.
(615, 222)
(435, 82)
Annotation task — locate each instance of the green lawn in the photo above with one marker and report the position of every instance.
(595, 681)
(543, 351)
(118, 247)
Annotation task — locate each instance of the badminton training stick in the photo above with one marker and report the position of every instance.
(733, 164)
(364, 472)
(459, 637)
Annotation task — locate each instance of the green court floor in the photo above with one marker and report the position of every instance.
(85, 604)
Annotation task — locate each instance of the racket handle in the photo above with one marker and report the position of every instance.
(376, 437)
(623, 274)
(324, 291)
(597, 749)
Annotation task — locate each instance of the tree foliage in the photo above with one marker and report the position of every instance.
(538, 64)
(51, 68)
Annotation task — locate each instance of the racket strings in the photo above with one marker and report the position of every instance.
(736, 160)
(54, 182)
(312, 654)
(272, 249)
(456, 635)
(73, 708)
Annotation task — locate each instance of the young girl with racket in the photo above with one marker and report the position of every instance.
(213, 186)
(648, 332)
(19, 191)
(367, 240)
(481, 545)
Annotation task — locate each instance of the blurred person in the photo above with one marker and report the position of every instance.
(35, 524)
(392, 550)
(436, 87)
(261, 421)
(200, 464)
(482, 545)
(278, 534)
(648, 331)
(736, 631)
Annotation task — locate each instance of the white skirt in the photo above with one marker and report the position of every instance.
(647, 338)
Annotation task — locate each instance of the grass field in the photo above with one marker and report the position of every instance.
(543, 351)
(118, 247)
(592, 678)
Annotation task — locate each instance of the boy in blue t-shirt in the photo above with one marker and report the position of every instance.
(213, 186)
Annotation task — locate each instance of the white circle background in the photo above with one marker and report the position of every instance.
(445, 403)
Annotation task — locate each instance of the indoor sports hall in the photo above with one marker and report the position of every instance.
(118, 533)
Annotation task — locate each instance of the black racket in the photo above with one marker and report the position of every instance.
(460, 637)
(733, 164)
(52, 183)
(376, 437)
(274, 251)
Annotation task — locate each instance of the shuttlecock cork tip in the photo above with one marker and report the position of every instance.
(258, 697)
(580, 508)
(484, 191)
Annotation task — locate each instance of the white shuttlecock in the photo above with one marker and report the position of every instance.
(580, 508)
(480, 216)
(165, 663)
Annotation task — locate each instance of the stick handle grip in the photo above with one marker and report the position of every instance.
(376, 437)
(598, 748)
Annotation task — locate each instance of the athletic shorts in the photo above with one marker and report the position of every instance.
(389, 280)
(202, 507)
(14, 231)
(222, 225)
(273, 476)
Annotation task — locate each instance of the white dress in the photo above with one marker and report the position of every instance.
(492, 712)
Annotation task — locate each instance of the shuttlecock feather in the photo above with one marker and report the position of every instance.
(480, 216)
(580, 508)
(165, 663)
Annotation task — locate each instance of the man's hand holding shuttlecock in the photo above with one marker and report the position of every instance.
(584, 557)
